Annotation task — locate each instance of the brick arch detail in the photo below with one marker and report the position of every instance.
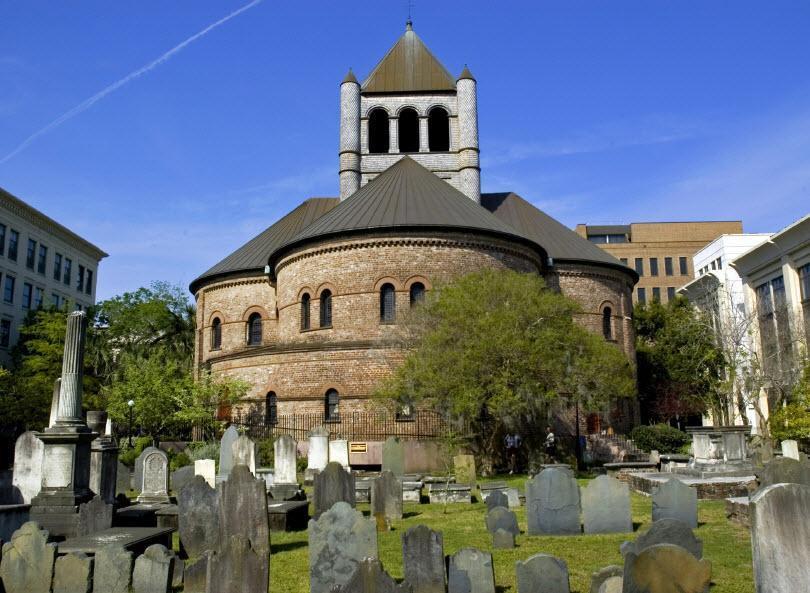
(214, 315)
(304, 290)
(324, 286)
(255, 309)
(444, 106)
(388, 280)
(417, 278)
(413, 107)
(377, 106)
(605, 304)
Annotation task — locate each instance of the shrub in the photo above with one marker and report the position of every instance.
(179, 460)
(791, 422)
(202, 450)
(660, 437)
(265, 453)
(301, 465)
(128, 454)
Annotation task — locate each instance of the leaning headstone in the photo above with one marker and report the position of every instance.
(423, 559)
(675, 500)
(790, 449)
(180, 478)
(666, 531)
(123, 479)
(784, 470)
(386, 497)
(502, 518)
(464, 467)
(333, 484)
(318, 453)
(470, 571)
(497, 499)
(606, 506)
(780, 538)
(503, 540)
(339, 452)
(285, 451)
(226, 452)
(237, 567)
(243, 452)
(27, 563)
(26, 479)
(369, 577)
(73, 573)
(112, 570)
(154, 476)
(338, 540)
(603, 575)
(393, 456)
(153, 570)
(207, 469)
(542, 573)
(198, 517)
(552, 503)
(94, 516)
(664, 568)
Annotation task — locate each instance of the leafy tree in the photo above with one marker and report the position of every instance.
(496, 350)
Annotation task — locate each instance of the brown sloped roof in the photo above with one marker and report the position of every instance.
(407, 67)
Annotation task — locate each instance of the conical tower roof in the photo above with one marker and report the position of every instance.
(409, 66)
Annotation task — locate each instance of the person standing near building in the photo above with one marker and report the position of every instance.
(551, 445)
(512, 442)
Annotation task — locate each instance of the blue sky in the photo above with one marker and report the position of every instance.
(597, 112)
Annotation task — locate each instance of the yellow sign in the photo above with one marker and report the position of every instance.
(358, 448)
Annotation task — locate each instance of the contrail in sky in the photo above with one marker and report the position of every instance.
(87, 103)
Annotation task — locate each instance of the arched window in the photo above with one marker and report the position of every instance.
(326, 308)
(417, 293)
(270, 408)
(438, 130)
(254, 329)
(408, 130)
(387, 303)
(216, 334)
(332, 413)
(607, 325)
(378, 141)
(305, 311)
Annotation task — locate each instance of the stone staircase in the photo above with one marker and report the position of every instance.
(614, 448)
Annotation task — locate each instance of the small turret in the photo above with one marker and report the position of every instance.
(349, 135)
(468, 151)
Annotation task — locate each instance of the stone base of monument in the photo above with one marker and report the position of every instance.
(291, 515)
(671, 462)
(286, 492)
(412, 491)
(12, 516)
(439, 493)
(167, 516)
(715, 488)
(738, 510)
(487, 488)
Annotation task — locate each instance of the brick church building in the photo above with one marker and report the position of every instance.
(305, 312)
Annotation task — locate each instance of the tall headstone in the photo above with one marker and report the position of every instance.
(103, 458)
(73, 573)
(333, 484)
(180, 478)
(123, 479)
(675, 500)
(542, 573)
(503, 540)
(502, 518)
(112, 570)
(464, 467)
(243, 452)
(606, 506)
(339, 452)
(28, 559)
(318, 454)
(26, 479)
(338, 540)
(153, 570)
(666, 531)
(197, 574)
(780, 538)
(393, 456)
(198, 517)
(236, 567)
(369, 577)
(790, 449)
(552, 503)
(663, 568)
(386, 497)
(154, 476)
(470, 571)
(66, 459)
(285, 455)
(226, 452)
(206, 468)
(423, 559)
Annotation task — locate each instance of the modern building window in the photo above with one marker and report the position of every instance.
(408, 130)
(332, 412)
(68, 268)
(27, 295)
(216, 334)
(13, 244)
(305, 304)
(42, 260)
(38, 298)
(31, 254)
(804, 281)
(326, 308)
(684, 268)
(714, 265)
(80, 279)
(254, 329)
(417, 293)
(670, 293)
(55, 300)
(2, 239)
(668, 269)
(57, 266)
(653, 266)
(608, 238)
(640, 266)
(656, 294)
(88, 287)
(271, 408)
(378, 132)
(387, 303)
(607, 323)
(719, 261)
(642, 295)
(438, 130)
(623, 260)
(5, 332)
(8, 289)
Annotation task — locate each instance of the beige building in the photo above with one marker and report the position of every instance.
(42, 263)
(660, 252)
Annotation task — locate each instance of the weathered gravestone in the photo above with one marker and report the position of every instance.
(198, 516)
(664, 568)
(470, 571)
(73, 573)
(783, 470)
(675, 500)
(780, 538)
(226, 452)
(26, 479)
(369, 577)
(236, 567)
(112, 570)
(666, 531)
(197, 574)
(612, 585)
(206, 468)
(123, 479)
(603, 575)
(790, 449)
(243, 452)
(338, 540)
(386, 497)
(542, 573)
(333, 484)
(393, 456)
(285, 450)
(502, 518)
(464, 467)
(103, 457)
(339, 452)
(318, 453)
(152, 472)
(606, 506)
(513, 496)
(552, 503)
(503, 540)
(497, 499)
(423, 559)
(180, 478)
(153, 570)
(94, 516)
(27, 563)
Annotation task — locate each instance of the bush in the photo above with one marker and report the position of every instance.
(202, 450)
(179, 460)
(791, 422)
(128, 455)
(301, 465)
(660, 437)
(265, 453)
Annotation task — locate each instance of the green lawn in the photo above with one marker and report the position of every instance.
(726, 545)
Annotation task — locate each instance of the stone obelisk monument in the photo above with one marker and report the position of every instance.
(66, 459)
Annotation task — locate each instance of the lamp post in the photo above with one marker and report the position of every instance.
(130, 404)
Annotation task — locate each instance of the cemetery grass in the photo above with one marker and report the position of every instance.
(726, 545)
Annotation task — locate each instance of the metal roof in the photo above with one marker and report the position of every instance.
(407, 67)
